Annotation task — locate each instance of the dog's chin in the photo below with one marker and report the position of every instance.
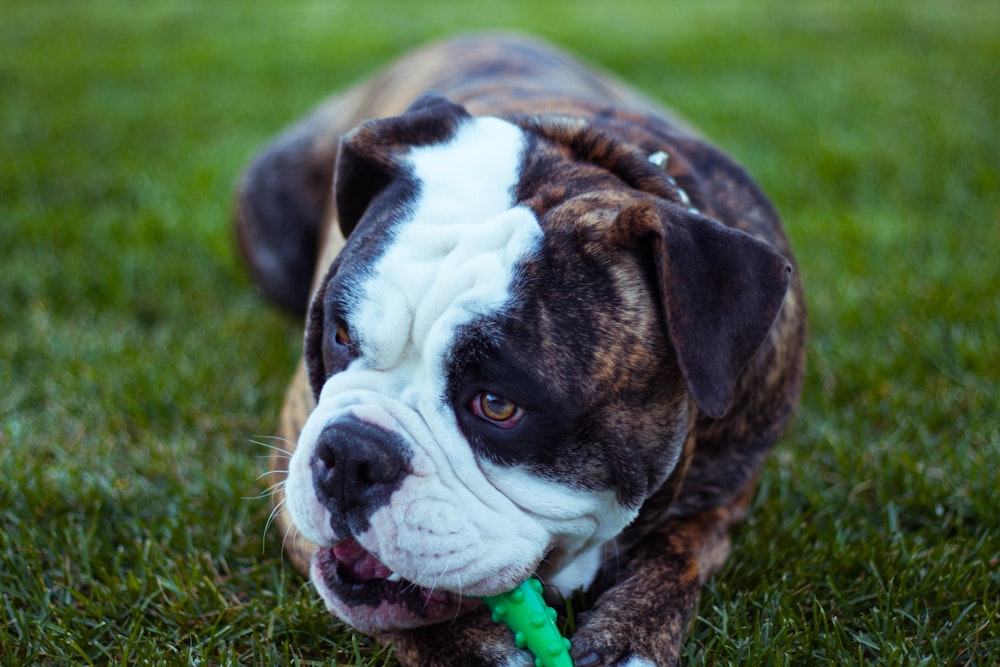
(363, 592)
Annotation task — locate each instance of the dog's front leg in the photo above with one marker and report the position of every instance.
(642, 620)
(472, 640)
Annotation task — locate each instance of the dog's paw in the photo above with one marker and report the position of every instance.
(477, 652)
(601, 642)
(472, 640)
(595, 659)
(592, 659)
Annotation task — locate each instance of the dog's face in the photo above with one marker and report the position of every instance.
(504, 355)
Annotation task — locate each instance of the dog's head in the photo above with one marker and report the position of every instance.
(504, 356)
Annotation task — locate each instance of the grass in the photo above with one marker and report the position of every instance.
(138, 365)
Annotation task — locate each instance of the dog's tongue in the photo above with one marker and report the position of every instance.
(360, 563)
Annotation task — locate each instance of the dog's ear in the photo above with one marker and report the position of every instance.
(721, 291)
(372, 155)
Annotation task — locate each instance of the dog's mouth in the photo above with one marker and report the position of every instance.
(365, 590)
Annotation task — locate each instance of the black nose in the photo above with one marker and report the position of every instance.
(356, 468)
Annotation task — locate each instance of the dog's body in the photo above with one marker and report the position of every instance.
(537, 351)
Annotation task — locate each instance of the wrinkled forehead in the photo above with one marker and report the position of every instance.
(452, 254)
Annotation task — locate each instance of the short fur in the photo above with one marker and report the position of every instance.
(724, 362)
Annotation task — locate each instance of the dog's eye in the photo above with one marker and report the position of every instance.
(342, 337)
(497, 410)
(338, 349)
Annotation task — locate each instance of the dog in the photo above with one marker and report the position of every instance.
(549, 330)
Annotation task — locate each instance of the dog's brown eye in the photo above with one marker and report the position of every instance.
(496, 409)
(338, 348)
(342, 337)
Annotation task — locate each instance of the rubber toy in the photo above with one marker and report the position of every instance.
(533, 623)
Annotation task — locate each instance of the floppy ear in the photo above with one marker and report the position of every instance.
(721, 290)
(371, 155)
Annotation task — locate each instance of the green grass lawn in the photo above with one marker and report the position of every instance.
(138, 366)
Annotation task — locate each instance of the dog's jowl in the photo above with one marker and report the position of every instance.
(549, 331)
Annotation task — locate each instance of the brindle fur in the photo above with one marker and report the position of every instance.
(289, 235)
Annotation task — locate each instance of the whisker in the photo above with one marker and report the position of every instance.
(269, 457)
(440, 574)
(271, 517)
(284, 542)
(271, 472)
(278, 507)
(420, 575)
(274, 437)
(264, 495)
(458, 607)
(275, 448)
(268, 492)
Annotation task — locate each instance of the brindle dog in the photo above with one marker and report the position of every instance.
(663, 351)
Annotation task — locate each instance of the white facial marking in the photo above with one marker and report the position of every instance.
(454, 257)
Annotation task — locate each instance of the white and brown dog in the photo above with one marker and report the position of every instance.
(550, 331)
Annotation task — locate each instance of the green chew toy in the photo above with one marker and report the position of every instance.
(533, 623)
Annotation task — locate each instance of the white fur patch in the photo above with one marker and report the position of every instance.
(584, 520)
(454, 257)
(637, 662)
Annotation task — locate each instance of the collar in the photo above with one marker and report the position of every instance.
(660, 159)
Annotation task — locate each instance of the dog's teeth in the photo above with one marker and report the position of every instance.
(393, 577)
